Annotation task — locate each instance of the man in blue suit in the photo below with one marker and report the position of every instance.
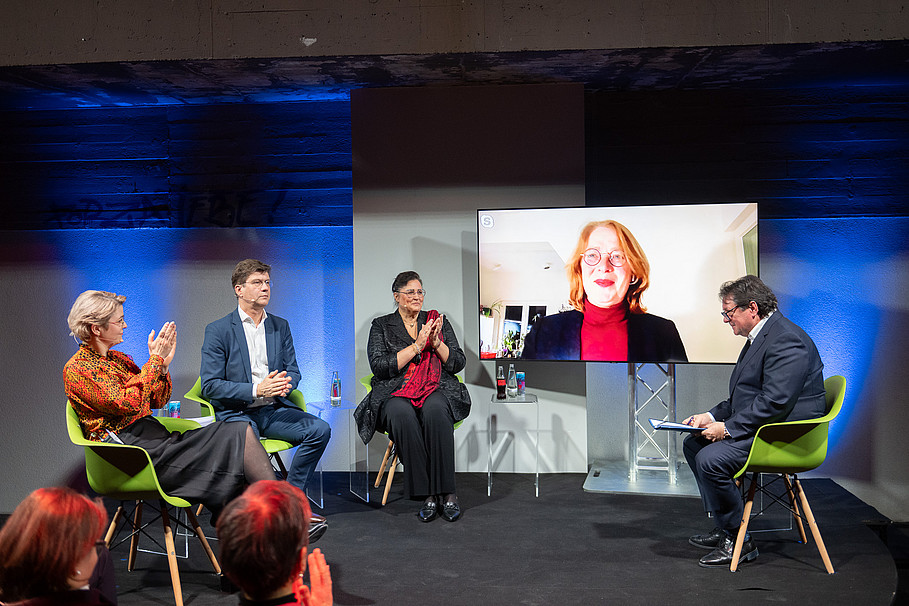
(248, 368)
(778, 377)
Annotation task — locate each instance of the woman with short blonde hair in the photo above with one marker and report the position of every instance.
(92, 307)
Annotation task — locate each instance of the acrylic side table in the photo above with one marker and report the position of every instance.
(359, 481)
(527, 398)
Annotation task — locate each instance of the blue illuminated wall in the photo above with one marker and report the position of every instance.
(846, 281)
(210, 165)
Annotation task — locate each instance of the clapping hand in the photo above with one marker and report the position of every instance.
(165, 344)
(423, 337)
(435, 336)
(319, 580)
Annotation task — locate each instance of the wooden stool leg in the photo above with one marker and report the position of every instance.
(743, 528)
(815, 531)
(199, 509)
(384, 462)
(795, 507)
(198, 530)
(391, 475)
(134, 540)
(171, 555)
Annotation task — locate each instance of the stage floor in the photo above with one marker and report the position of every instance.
(568, 546)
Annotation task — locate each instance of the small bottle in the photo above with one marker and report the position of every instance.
(500, 384)
(512, 387)
(520, 382)
(335, 389)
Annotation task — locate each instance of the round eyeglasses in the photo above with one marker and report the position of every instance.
(412, 293)
(592, 257)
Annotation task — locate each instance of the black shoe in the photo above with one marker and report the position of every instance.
(316, 531)
(451, 511)
(708, 541)
(722, 555)
(429, 511)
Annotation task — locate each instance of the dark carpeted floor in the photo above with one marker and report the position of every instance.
(565, 547)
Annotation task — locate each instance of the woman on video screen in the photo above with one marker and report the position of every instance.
(608, 273)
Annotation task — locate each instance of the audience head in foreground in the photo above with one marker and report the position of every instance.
(48, 546)
(264, 536)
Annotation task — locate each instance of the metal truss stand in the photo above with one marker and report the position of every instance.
(649, 449)
(652, 466)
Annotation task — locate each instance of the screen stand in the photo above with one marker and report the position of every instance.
(652, 466)
(646, 449)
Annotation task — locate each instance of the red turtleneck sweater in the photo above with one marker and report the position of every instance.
(604, 333)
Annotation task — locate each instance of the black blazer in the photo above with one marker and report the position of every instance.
(558, 337)
(779, 378)
(388, 336)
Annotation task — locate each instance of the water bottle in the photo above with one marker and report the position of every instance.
(512, 386)
(500, 384)
(335, 389)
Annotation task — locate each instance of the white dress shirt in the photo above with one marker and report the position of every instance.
(258, 353)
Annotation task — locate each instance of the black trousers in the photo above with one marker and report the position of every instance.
(713, 465)
(424, 438)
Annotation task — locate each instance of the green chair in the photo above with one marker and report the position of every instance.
(272, 446)
(787, 449)
(125, 472)
(391, 452)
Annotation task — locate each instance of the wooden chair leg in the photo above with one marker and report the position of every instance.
(388, 452)
(134, 540)
(391, 475)
(743, 527)
(113, 525)
(171, 555)
(198, 530)
(815, 531)
(795, 508)
(199, 509)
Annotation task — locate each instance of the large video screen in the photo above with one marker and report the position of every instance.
(612, 284)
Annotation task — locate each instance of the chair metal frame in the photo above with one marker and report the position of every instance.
(786, 449)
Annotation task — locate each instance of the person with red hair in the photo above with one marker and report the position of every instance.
(608, 273)
(49, 550)
(264, 535)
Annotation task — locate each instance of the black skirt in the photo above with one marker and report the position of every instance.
(200, 465)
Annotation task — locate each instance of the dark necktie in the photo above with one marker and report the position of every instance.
(744, 350)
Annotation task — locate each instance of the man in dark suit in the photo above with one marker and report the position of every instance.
(248, 368)
(778, 377)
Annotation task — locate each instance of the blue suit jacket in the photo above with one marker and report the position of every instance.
(779, 378)
(226, 371)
